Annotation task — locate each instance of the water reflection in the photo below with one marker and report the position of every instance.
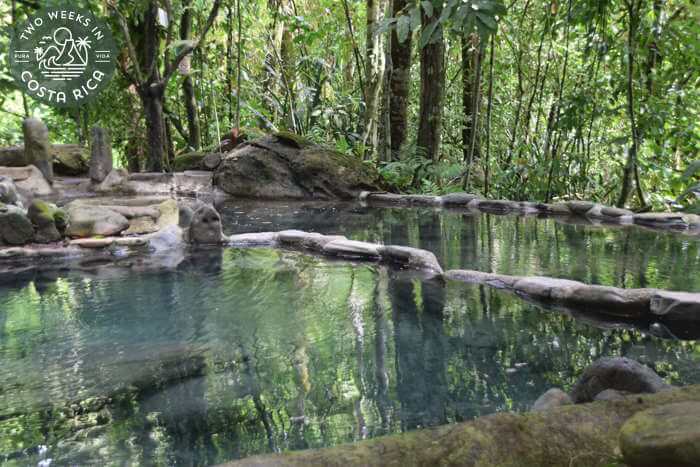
(621, 256)
(238, 352)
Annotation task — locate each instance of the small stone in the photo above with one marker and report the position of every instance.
(554, 397)
(668, 435)
(620, 373)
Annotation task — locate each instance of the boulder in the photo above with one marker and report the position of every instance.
(15, 227)
(615, 212)
(117, 180)
(41, 214)
(205, 227)
(37, 147)
(495, 205)
(557, 209)
(188, 161)
(611, 395)
(101, 163)
(12, 156)
(254, 239)
(661, 219)
(580, 207)
(89, 221)
(554, 397)
(140, 226)
(619, 373)
(458, 199)
(28, 179)
(412, 258)
(676, 306)
(70, 160)
(351, 249)
(281, 166)
(667, 435)
(211, 161)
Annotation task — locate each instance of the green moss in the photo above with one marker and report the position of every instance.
(60, 217)
(41, 213)
(292, 139)
(188, 161)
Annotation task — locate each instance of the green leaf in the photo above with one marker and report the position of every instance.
(693, 168)
(428, 8)
(415, 19)
(427, 34)
(487, 20)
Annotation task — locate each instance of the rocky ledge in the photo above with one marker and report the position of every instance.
(591, 212)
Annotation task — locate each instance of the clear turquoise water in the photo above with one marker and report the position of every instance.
(233, 352)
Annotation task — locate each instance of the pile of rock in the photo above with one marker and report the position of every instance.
(41, 223)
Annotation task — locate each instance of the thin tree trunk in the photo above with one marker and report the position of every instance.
(432, 79)
(489, 108)
(399, 82)
(374, 73)
(152, 100)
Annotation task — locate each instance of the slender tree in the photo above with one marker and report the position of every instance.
(399, 81)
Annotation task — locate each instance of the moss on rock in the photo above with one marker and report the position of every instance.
(188, 161)
(293, 139)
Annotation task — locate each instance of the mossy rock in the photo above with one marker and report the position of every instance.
(293, 139)
(60, 218)
(15, 228)
(41, 213)
(188, 161)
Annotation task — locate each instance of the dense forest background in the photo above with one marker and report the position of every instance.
(524, 99)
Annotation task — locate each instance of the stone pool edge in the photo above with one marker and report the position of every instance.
(589, 211)
(643, 303)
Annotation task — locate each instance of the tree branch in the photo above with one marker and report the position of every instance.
(188, 49)
(129, 44)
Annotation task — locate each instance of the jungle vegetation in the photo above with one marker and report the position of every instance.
(518, 99)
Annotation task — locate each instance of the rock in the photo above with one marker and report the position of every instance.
(554, 208)
(580, 207)
(412, 258)
(12, 156)
(499, 281)
(277, 167)
(15, 228)
(254, 239)
(211, 161)
(140, 226)
(193, 182)
(117, 180)
(101, 163)
(90, 221)
(37, 147)
(41, 214)
(458, 199)
(611, 395)
(352, 249)
(188, 161)
(619, 373)
(423, 200)
(676, 306)
(60, 218)
(168, 214)
(615, 212)
(69, 160)
(667, 435)
(206, 227)
(495, 205)
(28, 180)
(8, 191)
(554, 397)
(661, 219)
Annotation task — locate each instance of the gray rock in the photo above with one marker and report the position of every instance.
(352, 249)
(89, 221)
(676, 306)
(554, 397)
(15, 228)
(615, 212)
(101, 162)
(580, 207)
(211, 161)
(277, 167)
(619, 373)
(661, 219)
(413, 258)
(116, 180)
(458, 199)
(12, 156)
(29, 180)
(497, 205)
(37, 148)
(554, 208)
(70, 160)
(667, 435)
(140, 226)
(8, 191)
(254, 239)
(611, 395)
(206, 227)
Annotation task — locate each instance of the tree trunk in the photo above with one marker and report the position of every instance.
(374, 62)
(470, 86)
(432, 79)
(399, 82)
(152, 99)
(193, 130)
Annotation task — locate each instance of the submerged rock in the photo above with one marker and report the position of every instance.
(281, 166)
(554, 397)
(668, 435)
(619, 373)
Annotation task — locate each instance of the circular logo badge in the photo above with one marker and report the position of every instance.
(62, 56)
